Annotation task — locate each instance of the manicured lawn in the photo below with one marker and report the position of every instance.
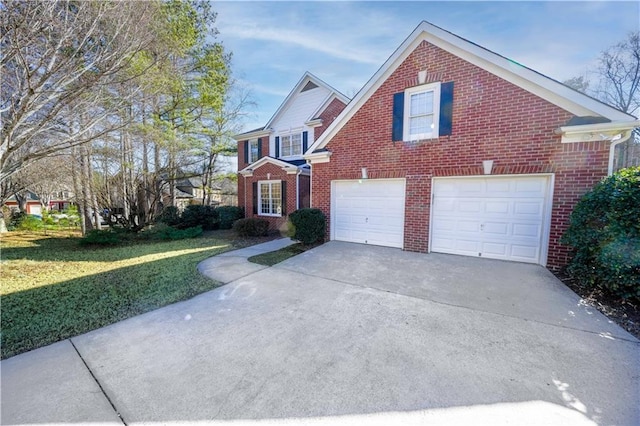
(53, 288)
(273, 257)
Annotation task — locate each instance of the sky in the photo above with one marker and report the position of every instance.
(344, 43)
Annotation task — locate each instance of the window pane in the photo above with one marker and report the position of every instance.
(296, 144)
(276, 198)
(421, 103)
(253, 151)
(419, 125)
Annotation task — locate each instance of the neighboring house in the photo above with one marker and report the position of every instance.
(224, 192)
(60, 200)
(452, 148)
(33, 204)
(274, 179)
(188, 190)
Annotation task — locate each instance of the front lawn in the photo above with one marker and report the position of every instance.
(53, 288)
(273, 257)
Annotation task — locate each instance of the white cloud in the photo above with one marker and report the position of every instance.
(316, 42)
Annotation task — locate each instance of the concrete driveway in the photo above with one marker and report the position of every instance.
(344, 334)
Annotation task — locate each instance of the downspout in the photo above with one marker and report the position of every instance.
(245, 195)
(615, 141)
(298, 188)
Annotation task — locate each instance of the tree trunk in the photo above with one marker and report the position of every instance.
(77, 188)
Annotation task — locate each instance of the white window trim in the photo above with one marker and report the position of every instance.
(431, 87)
(270, 182)
(249, 155)
(294, 156)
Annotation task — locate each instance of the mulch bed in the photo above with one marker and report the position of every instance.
(625, 313)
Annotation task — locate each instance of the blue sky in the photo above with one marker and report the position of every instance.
(344, 43)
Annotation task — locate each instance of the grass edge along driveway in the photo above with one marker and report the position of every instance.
(54, 289)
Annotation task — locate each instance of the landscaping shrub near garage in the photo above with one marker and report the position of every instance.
(198, 215)
(251, 227)
(604, 232)
(308, 225)
(228, 215)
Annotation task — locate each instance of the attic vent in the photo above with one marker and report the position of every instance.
(310, 85)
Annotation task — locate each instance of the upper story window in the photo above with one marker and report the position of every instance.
(421, 112)
(254, 151)
(291, 145)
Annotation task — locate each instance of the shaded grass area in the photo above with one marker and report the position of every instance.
(274, 257)
(54, 289)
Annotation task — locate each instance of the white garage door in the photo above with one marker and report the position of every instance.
(368, 211)
(495, 217)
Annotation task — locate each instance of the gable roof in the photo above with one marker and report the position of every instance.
(285, 165)
(308, 81)
(301, 86)
(547, 88)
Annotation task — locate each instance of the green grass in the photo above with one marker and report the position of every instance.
(53, 288)
(273, 257)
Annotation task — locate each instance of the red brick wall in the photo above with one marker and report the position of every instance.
(262, 173)
(492, 120)
(328, 115)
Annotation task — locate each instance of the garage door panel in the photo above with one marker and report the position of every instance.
(369, 211)
(497, 206)
(496, 228)
(530, 208)
(503, 219)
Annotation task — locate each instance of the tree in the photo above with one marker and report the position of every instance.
(225, 121)
(58, 61)
(619, 75)
(617, 83)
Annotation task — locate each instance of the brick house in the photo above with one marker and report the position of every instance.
(274, 179)
(455, 149)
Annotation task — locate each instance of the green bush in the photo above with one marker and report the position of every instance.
(169, 215)
(251, 227)
(30, 223)
(228, 215)
(165, 232)
(198, 215)
(604, 232)
(15, 220)
(101, 237)
(308, 225)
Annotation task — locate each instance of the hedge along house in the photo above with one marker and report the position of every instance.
(274, 179)
(452, 148)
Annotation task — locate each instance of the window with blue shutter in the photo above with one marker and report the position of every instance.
(277, 146)
(246, 152)
(284, 197)
(446, 108)
(423, 112)
(398, 116)
(254, 186)
(305, 141)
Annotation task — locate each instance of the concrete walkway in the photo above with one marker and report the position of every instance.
(343, 334)
(233, 265)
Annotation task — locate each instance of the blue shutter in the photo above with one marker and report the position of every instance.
(277, 146)
(283, 190)
(446, 108)
(398, 116)
(255, 197)
(246, 152)
(259, 147)
(305, 141)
